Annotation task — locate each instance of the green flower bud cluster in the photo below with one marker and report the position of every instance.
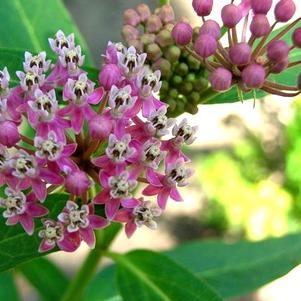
(183, 76)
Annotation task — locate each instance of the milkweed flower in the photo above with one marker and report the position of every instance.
(86, 137)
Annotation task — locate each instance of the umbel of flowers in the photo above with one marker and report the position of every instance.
(183, 78)
(249, 56)
(87, 138)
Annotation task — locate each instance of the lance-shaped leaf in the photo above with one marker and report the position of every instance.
(146, 275)
(8, 290)
(28, 25)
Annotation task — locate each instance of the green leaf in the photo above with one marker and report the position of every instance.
(146, 275)
(16, 246)
(8, 290)
(104, 287)
(51, 283)
(28, 25)
(239, 268)
(13, 60)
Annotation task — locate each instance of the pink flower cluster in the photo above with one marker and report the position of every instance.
(86, 139)
(252, 54)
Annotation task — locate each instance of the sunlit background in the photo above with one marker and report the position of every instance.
(247, 161)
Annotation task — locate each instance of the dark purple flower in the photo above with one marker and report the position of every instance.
(297, 37)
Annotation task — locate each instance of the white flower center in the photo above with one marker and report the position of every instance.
(152, 152)
(185, 132)
(30, 79)
(178, 174)
(159, 122)
(149, 80)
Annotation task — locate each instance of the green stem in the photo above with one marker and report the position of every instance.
(80, 282)
(163, 2)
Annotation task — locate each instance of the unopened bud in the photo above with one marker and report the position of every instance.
(164, 38)
(182, 33)
(143, 11)
(153, 52)
(253, 76)
(260, 26)
(284, 10)
(164, 66)
(277, 50)
(231, 15)
(211, 27)
(203, 8)
(221, 79)
(148, 38)
(131, 17)
(297, 37)
(153, 24)
(261, 6)
(172, 54)
(205, 45)
(240, 54)
(166, 14)
(130, 33)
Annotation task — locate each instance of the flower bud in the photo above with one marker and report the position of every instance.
(166, 14)
(148, 38)
(164, 38)
(143, 11)
(221, 79)
(9, 134)
(77, 182)
(261, 6)
(280, 66)
(130, 33)
(277, 51)
(172, 53)
(182, 33)
(131, 17)
(153, 24)
(164, 66)
(153, 51)
(284, 10)
(253, 76)
(297, 37)
(240, 54)
(260, 26)
(205, 45)
(211, 27)
(100, 127)
(231, 15)
(202, 7)
(110, 75)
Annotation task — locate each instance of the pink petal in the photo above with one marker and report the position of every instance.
(70, 242)
(175, 195)
(12, 220)
(88, 236)
(111, 208)
(130, 203)
(153, 178)
(102, 197)
(69, 149)
(36, 210)
(27, 223)
(151, 190)
(104, 179)
(130, 228)
(51, 177)
(97, 222)
(163, 197)
(88, 112)
(44, 246)
(147, 107)
(39, 189)
(123, 216)
(96, 96)
(100, 161)
(77, 120)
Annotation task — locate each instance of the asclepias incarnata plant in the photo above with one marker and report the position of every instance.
(108, 138)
